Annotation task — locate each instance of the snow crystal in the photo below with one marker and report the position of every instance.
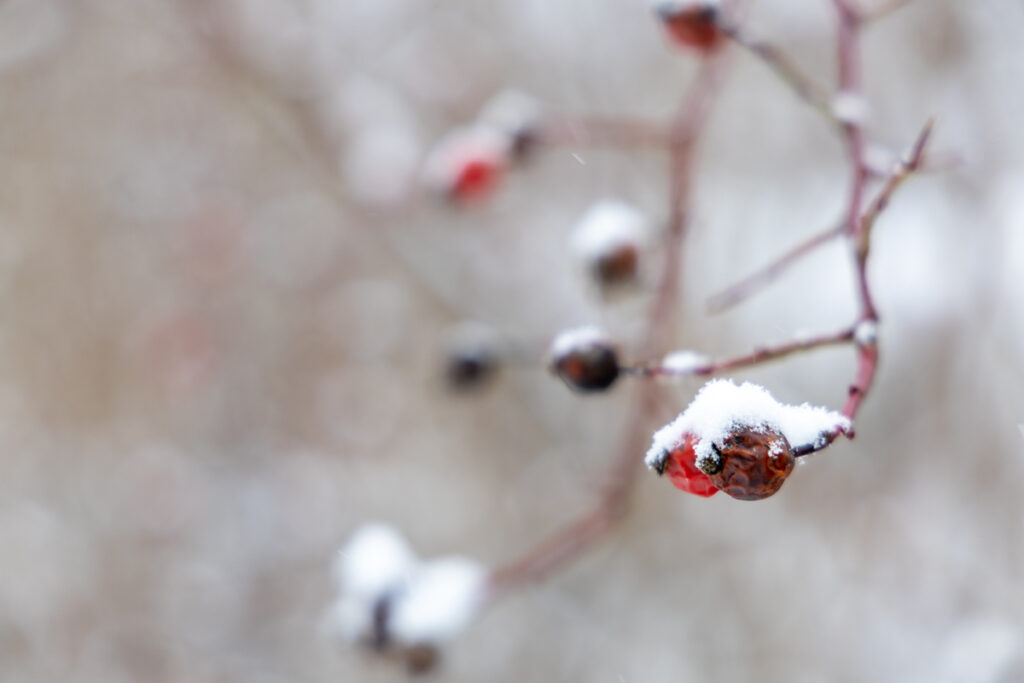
(721, 406)
(607, 226)
(865, 333)
(440, 600)
(684, 362)
(570, 340)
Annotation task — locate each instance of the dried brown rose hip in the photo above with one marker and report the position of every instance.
(750, 464)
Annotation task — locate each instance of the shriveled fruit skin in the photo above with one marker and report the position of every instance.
(754, 463)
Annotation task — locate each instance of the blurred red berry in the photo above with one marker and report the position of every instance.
(692, 23)
(681, 470)
(476, 178)
(467, 163)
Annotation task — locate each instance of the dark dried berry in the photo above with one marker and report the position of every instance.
(588, 367)
(750, 464)
(617, 267)
(469, 371)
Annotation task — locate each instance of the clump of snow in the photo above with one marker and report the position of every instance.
(721, 406)
(427, 601)
(851, 107)
(684, 362)
(460, 147)
(578, 338)
(440, 600)
(865, 333)
(607, 226)
(374, 563)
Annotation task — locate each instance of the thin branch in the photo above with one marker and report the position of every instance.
(573, 539)
(760, 279)
(758, 356)
(786, 69)
(564, 130)
(910, 165)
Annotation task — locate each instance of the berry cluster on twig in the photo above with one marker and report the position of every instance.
(735, 439)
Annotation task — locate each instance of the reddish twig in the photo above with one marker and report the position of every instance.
(786, 69)
(570, 541)
(564, 130)
(758, 356)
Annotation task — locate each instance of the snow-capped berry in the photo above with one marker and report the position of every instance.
(681, 470)
(517, 115)
(608, 240)
(751, 464)
(467, 163)
(399, 605)
(743, 438)
(585, 359)
(692, 23)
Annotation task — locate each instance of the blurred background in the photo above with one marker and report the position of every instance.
(225, 303)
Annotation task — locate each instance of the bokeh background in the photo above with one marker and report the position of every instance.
(224, 304)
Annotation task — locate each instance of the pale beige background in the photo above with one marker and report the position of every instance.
(218, 356)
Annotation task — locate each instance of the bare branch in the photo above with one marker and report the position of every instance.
(760, 355)
(569, 542)
(786, 69)
(565, 130)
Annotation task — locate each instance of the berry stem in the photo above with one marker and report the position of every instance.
(572, 540)
(760, 355)
(570, 130)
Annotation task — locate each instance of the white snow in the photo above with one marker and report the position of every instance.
(459, 146)
(607, 226)
(865, 333)
(375, 560)
(851, 107)
(721, 406)
(441, 599)
(570, 340)
(684, 362)
(430, 601)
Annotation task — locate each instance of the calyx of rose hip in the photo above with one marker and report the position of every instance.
(741, 438)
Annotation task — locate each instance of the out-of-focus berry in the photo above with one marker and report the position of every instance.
(585, 359)
(692, 23)
(473, 355)
(467, 163)
(608, 240)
